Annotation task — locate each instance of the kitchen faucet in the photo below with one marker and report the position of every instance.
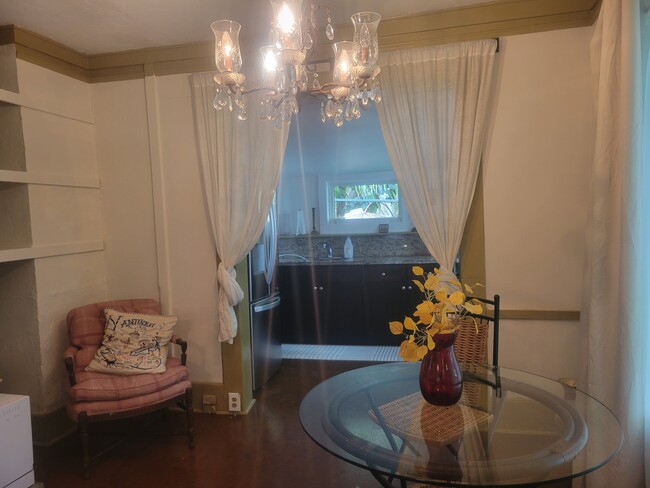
(327, 245)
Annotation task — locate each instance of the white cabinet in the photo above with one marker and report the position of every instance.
(17, 459)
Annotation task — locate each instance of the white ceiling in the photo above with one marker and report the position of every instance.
(101, 26)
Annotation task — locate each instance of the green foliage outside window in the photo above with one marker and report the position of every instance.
(375, 201)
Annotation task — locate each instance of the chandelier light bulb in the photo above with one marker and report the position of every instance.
(286, 32)
(227, 51)
(269, 62)
(286, 20)
(344, 61)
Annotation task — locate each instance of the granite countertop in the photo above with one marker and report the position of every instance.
(295, 260)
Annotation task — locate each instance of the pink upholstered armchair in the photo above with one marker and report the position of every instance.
(95, 397)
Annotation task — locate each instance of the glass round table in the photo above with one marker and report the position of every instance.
(510, 428)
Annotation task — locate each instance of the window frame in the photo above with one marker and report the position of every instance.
(330, 224)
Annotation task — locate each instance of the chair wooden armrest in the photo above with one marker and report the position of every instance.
(177, 340)
(68, 359)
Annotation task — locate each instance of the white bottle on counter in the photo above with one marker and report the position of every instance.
(348, 249)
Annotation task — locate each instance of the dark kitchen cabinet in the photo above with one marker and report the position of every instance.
(390, 295)
(345, 304)
(322, 304)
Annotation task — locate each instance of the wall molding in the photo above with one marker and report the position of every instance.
(49, 250)
(472, 22)
(37, 178)
(546, 315)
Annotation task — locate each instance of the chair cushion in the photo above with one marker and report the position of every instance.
(116, 407)
(103, 387)
(133, 343)
(86, 325)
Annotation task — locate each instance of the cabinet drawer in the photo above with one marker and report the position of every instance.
(338, 273)
(384, 272)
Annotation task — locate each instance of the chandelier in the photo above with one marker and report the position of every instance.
(290, 73)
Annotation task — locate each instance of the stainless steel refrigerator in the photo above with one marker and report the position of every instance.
(266, 335)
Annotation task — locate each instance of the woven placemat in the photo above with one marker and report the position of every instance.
(411, 417)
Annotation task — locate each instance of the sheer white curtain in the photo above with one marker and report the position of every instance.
(434, 120)
(614, 311)
(240, 163)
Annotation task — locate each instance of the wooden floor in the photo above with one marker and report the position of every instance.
(266, 448)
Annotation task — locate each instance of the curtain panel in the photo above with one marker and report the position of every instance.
(434, 120)
(240, 163)
(614, 314)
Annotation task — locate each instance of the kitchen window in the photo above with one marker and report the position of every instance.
(358, 203)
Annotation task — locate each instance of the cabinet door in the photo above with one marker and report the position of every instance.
(384, 301)
(341, 305)
(298, 316)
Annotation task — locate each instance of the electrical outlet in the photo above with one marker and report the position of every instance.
(234, 402)
(209, 399)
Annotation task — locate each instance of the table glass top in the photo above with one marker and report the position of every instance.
(510, 428)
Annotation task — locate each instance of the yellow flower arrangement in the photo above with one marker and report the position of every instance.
(441, 312)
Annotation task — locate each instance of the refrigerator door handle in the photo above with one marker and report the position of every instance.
(267, 306)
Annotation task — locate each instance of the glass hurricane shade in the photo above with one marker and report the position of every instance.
(226, 46)
(345, 60)
(365, 34)
(285, 31)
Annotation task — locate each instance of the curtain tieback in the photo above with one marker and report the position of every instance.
(228, 284)
(446, 276)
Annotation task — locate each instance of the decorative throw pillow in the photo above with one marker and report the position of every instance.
(133, 343)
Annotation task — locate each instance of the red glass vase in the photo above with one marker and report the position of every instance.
(441, 380)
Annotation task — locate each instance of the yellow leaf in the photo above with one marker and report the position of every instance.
(409, 324)
(457, 298)
(426, 307)
(396, 327)
(422, 351)
(433, 330)
(468, 289)
(419, 285)
(432, 282)
(430, 344)
(456, 283)
(418, 271)
(441, 295)
(409, 351)
(473, 308)
(426, 318)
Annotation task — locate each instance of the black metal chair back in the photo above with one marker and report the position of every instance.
(494, 304)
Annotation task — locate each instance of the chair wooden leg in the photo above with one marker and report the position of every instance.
(82, 425)
(189, 413)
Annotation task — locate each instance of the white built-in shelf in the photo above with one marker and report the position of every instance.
(49, 250)
(13, 98)
(10, 176)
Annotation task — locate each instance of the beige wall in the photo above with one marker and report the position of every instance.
(536, 173)
(126, 191)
